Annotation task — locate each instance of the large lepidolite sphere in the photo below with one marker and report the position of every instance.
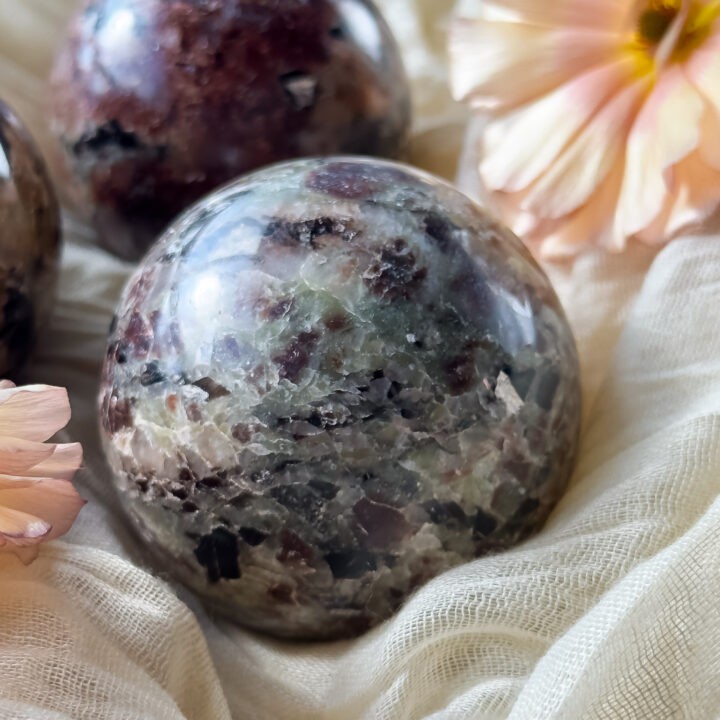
(331, 381)
(29, 243)
(157, 102)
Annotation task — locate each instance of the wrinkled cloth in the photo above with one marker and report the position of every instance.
(611, 612)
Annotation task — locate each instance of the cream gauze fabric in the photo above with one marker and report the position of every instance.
(612, 611)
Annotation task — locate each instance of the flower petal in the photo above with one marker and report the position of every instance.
(709, 147)
(499, 65)
(609, 14)
(703, 70)
(63, 463)
(33, 459)
(17, 524)
(55, 503)
(591, 224)
(666, 130)
(697, 196)
(656, 232)
(578, 172)
(508, 206)
(19, 457)
(33, 412)
(519, 148)
(8, 482)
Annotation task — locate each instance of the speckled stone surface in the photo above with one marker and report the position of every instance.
(157, 102)
(330, 382)
(29, 244)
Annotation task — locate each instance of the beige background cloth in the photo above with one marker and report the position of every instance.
(612, 612)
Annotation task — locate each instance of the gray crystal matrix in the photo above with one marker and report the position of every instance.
(329, 382)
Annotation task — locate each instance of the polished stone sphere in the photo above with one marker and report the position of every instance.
(29, 244)
(329, 382)
(158, 102)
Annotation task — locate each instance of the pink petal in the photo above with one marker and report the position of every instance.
(609, 15)
(9, 482)
(657, 231)
(63, 462)
(33, 412)
(697, 197)
(694, 200)
(54, 503)
(24, 548)
(19, 457)
(703, 70)
(498, 65)
(666, 130)
(17, 524)
(518, 148)
(577, 173)
(591, 224)
(508, 206)
(709, 147)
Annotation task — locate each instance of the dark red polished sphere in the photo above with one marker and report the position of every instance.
(157, 102)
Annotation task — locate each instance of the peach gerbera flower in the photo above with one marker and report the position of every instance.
(603, 116)
(37, 499)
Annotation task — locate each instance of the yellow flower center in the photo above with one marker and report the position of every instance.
(667, 31)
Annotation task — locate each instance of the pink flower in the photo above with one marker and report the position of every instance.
(37, 499)
(603, 116)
